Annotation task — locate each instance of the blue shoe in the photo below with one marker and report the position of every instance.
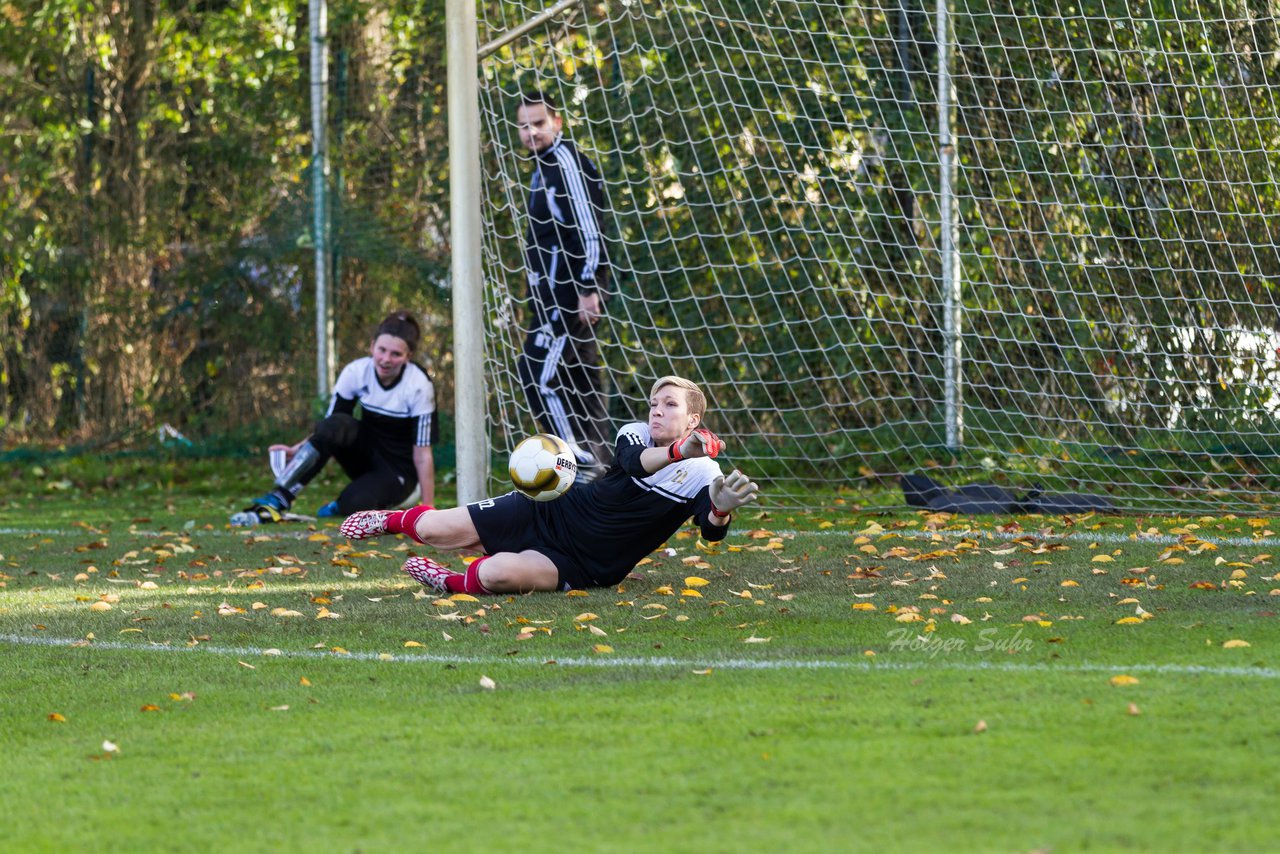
(266, 508)
(329, 510)
(270, 500)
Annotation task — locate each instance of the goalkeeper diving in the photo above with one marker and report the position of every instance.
(664, 472)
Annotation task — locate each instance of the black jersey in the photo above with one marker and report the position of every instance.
(564, 247)
(399, 416)
(610, 524)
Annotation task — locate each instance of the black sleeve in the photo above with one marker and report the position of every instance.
(585, 195)
(595, 192)
(342, 405)
(627, 455)
(702, 515)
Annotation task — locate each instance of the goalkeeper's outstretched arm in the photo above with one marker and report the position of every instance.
(727, 494)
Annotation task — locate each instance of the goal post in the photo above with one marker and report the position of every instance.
(836, 216)
(466, 274)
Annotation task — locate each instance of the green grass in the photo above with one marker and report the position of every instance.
(773, 716)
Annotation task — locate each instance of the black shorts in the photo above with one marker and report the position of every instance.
(510, 523)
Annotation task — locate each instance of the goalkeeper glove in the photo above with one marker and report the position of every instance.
(702, 440)
(730, 493)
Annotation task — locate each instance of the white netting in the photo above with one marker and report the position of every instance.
(773, 174)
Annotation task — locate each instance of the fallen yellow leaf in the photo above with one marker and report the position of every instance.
(1234, 644)
(1120, 680)
(695, 581)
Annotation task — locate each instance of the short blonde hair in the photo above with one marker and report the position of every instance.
(693, 396)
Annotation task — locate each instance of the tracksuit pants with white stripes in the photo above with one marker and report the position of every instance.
(563, 383)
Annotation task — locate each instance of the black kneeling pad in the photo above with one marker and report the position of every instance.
(1058, 503)
(923, 491)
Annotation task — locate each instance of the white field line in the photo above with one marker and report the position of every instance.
(624, 662)
(910, 534)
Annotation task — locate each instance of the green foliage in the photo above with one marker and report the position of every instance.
(161, 265)
(773, 180)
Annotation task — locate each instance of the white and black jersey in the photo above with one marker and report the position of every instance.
(597, 532)
(397, 417)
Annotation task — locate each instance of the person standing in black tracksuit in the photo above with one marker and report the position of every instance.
(567, 266)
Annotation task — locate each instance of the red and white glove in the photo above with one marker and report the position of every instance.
(730, 493)
(700, 443)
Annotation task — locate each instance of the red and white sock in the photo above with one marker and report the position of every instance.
(406, 521)
(469, 581)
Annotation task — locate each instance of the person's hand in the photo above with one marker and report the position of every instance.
(700, 443)
(590, 308)
(289, 450)
(730, 493)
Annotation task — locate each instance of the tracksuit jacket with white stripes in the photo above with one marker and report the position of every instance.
(564, 248)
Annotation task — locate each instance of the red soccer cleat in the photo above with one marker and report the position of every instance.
(364, 524)
(428, 573)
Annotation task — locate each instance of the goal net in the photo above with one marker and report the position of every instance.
(781, 214)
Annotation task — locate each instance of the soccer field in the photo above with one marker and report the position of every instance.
(823, 681)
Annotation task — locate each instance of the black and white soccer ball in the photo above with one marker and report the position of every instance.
(543, 467)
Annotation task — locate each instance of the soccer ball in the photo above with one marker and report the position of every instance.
(543, 467)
